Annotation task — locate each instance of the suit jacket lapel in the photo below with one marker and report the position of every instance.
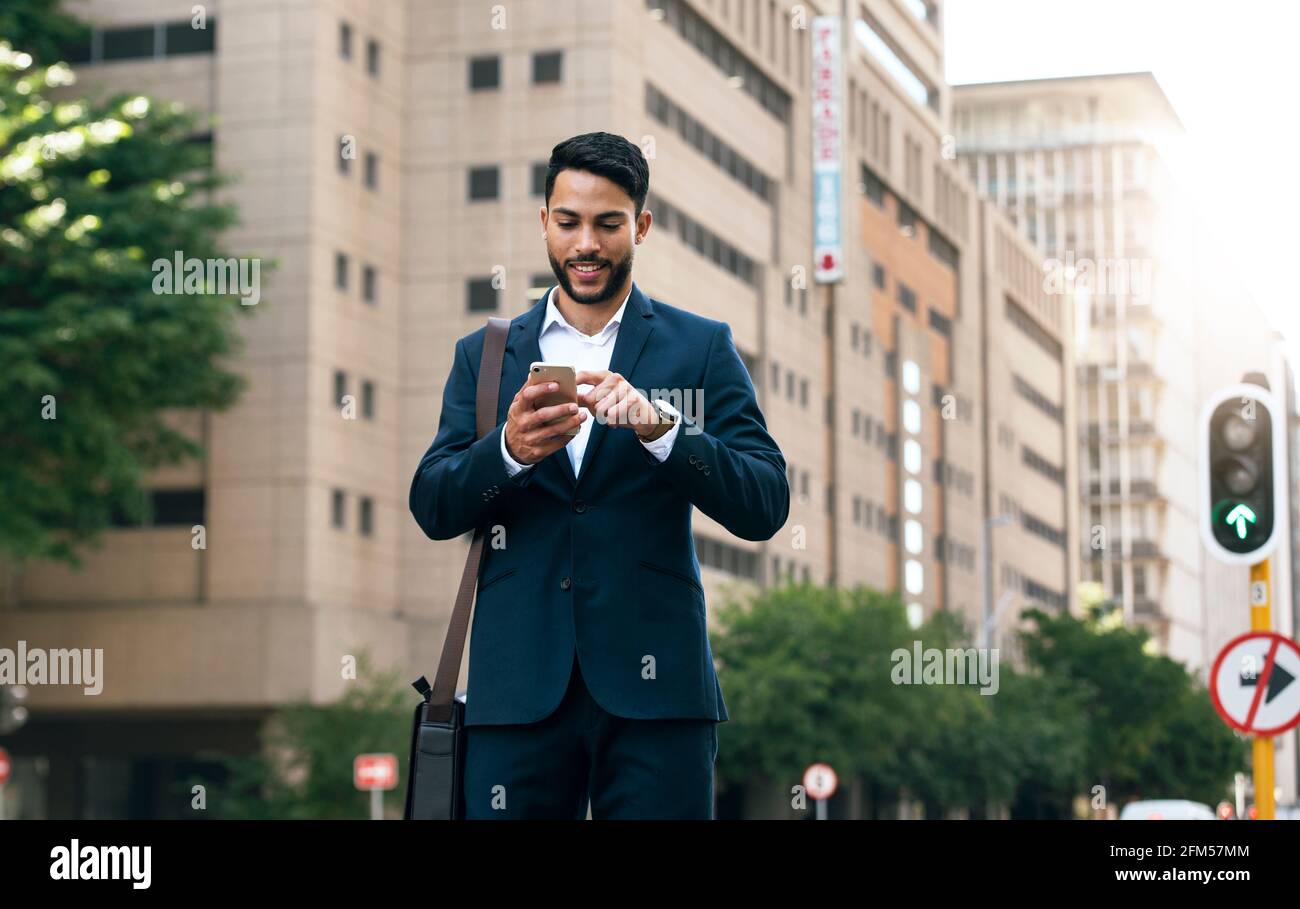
(632, 334)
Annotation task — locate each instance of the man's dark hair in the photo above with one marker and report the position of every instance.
(607, 155)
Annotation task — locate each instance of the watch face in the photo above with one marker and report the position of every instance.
(667, 410)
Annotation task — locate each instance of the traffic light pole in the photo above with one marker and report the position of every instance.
(1262, 746)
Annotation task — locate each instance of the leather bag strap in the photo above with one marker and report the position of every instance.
(453, 646)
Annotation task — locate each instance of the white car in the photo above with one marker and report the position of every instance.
(1167, 810)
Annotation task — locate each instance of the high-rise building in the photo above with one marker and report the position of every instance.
(1085, 168)
(391, 159)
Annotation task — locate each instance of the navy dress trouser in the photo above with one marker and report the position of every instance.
(630, 769)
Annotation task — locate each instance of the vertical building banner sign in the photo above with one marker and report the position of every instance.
(828, 249)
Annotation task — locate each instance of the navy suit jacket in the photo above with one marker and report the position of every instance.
(604, 562)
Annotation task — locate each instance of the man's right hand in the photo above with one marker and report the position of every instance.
(527, 439)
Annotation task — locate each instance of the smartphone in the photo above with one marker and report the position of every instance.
(567, 393)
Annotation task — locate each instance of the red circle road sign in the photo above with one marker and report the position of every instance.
(374, 771)
(820, 781)
(1255, 683)
(4, 766)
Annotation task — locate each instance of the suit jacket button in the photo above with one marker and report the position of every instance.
(565, 584)
(692, 459)
(579, 506)
(706, 470)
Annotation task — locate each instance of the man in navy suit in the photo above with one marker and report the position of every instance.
(590, 675)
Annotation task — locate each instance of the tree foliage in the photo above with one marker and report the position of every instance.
(807, 674)
(92, 193)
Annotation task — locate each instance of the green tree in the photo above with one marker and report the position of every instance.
(1151, 730)
(304, 771)
(92, 192)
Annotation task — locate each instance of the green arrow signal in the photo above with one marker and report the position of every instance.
(1239, 516)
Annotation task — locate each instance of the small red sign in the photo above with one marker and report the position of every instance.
(820, 781)
(374, 771)
(5, 766)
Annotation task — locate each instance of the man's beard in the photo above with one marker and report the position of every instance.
(618, 272)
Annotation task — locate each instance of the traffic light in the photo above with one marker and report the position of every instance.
(1241, 496)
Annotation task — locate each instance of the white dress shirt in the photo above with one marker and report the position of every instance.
(560, 342)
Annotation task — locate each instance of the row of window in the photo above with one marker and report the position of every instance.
(790, 381)
(704, 241)
(372, 49)
(871, 516)
(365, 512)
(785, 571)
(1017, 316)
(705, 141)
(728, 58)
(1037, 398)
(951, 552)
(169, 507)
(369, 278)
(860, 339)
(963, 406)
(367, 393)
(1014, 580)
(370, 162)
(949, 476)
(482, 294)
(1042, 529)
(940, 247)
(485, 70)
(484, 181)
(713, 553)
(1036, 462)
(143, 42)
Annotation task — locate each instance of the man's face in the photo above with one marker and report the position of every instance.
(591, 222)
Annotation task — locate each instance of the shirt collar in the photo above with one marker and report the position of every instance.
(553, 315)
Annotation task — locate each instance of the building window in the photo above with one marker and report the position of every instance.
(345, 41)
(481, 295)
(873, 187)
(539, 178)
(940, 323)
(484, 183)
(365, 516)
(803, 301)
(878, 276)
(340, 386)
(341, 271)
(368, 399)
(337, 513)
(484, 73)
(369, 284)
(372, 170)
(803, 392)
(906, 297)
(547, 67)
(372, 57)
(789, 385)
(180, 38)
(906, 218)
(128, 43)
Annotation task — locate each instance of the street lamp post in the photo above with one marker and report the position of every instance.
(987, 611)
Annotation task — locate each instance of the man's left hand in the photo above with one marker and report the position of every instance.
(615, 402)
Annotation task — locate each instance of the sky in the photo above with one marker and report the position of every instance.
(1232, 72)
